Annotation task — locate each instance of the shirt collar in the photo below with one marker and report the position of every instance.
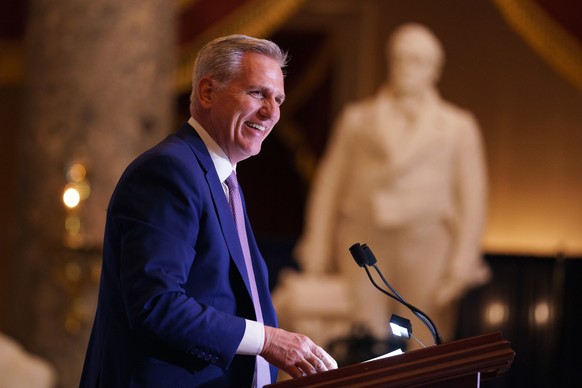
(221, 162)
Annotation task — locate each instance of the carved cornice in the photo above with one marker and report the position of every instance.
(546, 36)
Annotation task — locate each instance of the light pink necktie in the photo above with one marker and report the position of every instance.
(262, 372)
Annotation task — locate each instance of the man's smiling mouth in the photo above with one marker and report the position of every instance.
(256, 126)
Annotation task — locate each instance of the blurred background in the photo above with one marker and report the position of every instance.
(86, 86)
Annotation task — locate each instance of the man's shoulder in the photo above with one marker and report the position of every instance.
(183, 142)
(176, 149)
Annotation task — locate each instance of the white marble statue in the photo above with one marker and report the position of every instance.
(20, 369)
(404, 172)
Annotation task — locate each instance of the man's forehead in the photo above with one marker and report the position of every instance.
(261, 70)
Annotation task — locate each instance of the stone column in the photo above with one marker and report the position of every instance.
(99, 91)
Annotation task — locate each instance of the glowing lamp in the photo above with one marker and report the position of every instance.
(400, 326)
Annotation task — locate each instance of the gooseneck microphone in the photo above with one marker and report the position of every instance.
(365, 258)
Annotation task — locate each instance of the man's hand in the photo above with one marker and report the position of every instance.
(295, 353)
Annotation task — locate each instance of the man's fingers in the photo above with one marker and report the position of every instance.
(327, 360)
(295, 353)
(294, 372)
(306, 367)
(317, 364)
(320, 366)
(319, 361)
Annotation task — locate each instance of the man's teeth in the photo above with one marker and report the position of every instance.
(257, 126)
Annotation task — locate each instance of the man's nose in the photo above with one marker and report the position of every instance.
(269, 109)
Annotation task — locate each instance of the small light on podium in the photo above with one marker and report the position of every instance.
(400, 326)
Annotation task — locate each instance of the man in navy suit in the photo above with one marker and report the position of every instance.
(175, 307)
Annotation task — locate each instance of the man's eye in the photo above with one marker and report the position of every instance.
(256, 93)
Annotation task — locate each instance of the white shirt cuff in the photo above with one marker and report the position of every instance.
(253, 339)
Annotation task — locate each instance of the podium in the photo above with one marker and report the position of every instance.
(462, 363)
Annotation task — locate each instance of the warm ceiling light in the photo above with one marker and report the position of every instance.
(542, 313)
(71, 197)
(77, 172)
(496, 313)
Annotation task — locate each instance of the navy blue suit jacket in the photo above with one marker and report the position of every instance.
(174, 291)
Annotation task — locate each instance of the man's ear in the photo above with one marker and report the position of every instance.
(206, 91)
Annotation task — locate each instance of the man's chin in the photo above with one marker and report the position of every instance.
(248, 154)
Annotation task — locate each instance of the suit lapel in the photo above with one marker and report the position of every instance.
(229, 228)
(221, 206)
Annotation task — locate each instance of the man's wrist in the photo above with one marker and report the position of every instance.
(253, 339)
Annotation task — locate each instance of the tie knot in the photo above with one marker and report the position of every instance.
(232, 182)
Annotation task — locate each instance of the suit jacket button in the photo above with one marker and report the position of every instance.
(214, 360)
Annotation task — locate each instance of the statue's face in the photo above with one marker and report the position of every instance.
(414, 63)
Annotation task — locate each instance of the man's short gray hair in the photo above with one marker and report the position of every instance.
(221, 58)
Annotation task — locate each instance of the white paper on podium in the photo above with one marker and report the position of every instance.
(390, 354)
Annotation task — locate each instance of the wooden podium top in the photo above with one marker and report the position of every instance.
(464, 362)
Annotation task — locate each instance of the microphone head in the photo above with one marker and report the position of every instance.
(370, 258)
(358, 254)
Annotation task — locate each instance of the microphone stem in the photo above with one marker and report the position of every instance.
(420, 315)
(417, 312)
